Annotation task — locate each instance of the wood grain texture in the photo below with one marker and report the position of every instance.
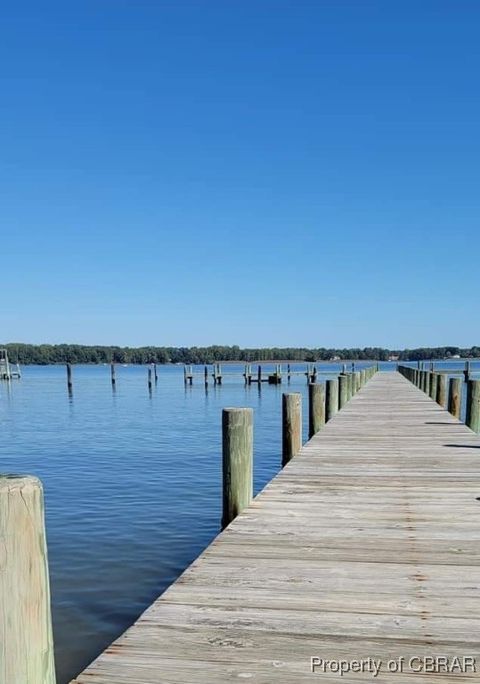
(26, 642)
(367, 544)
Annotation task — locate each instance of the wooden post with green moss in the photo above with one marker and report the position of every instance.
(433, 386)
(26, 641)
(291, 426)
(316, 408)
(237, 460)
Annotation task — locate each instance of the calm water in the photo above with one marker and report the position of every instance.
(132, 484)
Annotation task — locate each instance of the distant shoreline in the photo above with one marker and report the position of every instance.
(51, 354)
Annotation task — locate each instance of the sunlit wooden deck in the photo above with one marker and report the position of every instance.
(367, 545)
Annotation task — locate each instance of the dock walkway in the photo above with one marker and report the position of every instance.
(366, 545)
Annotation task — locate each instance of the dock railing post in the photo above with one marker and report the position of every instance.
(237, 460)
(316, 408)
(26, 640)
(291, 426)
(455, 397)
(473, 405)
(433, 386)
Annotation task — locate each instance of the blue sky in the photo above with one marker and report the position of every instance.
(248, 172)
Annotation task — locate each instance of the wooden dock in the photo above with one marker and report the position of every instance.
(365, 546)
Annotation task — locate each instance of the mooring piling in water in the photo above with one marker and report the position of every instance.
(69, 377)
(316, 408)
(291, 426)
(26, 644)
(149, 380)
(472, 419)
(112, 374)
(237, 460)
(155, 373)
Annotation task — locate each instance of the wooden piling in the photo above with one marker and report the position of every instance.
(331, 398)
(342, 390)
(472, 419)
(316, 408)
(112, 374)
(149, 378)
(428, 380)
(205, 376)
(291, 426)
(237, 459)
(433, 386)
(349, 386)
(69, 376)
(455, 397)
(259, 375)
(26, 641)
(155, 372)
(442, 390)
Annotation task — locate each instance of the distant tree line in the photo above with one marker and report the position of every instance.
(44, 354)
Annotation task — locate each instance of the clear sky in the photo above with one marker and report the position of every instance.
(252, 172)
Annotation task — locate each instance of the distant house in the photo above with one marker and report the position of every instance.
(393, 358)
